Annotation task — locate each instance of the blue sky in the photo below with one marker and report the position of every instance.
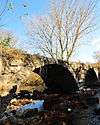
(13, 22)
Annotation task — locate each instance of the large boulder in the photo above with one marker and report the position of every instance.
(92, 100)
(5, 100)
(32, 82)
(57, 78)
(90, 78)
(16, 68)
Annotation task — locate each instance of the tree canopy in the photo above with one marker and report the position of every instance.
(59, 33)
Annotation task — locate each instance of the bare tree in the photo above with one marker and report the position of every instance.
(7, 38)
(59, 33)
(3, 7)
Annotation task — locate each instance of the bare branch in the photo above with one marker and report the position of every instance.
(62, 29)
(4, 9)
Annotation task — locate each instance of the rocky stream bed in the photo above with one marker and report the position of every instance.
(90, 115)
(81, 108)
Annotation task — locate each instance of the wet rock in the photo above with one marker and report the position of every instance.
(97, 110)
(92, 100)
(17, 103)
(10, 120)
(88, 92)
(30, 113)
(13, 90)
(24, 94)
(13, 112)
(51, 102)
(83, 105)
(37, 94)
(5, 100)
(60, 103)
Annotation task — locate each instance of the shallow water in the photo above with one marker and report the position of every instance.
(36, 104)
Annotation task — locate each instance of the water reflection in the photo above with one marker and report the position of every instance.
(36, 104)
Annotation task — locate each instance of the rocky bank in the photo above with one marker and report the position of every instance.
(16, 68)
